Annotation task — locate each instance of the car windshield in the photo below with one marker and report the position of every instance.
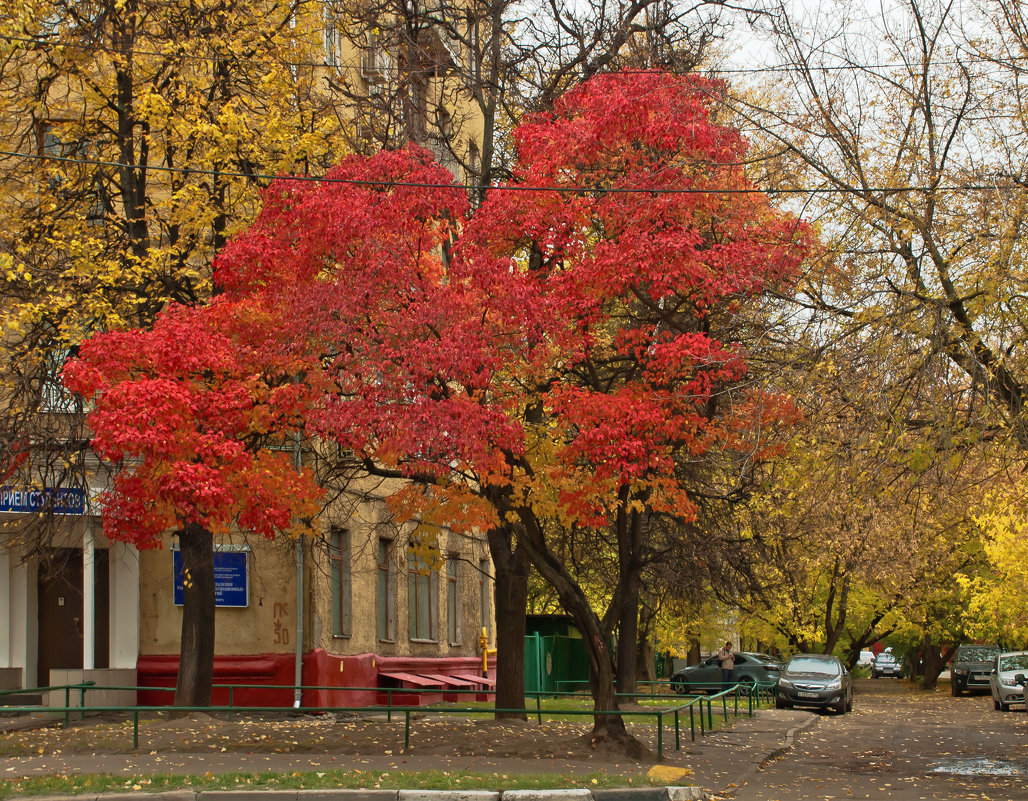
(975, 654)
(885, 658)
(1014, 662)
(813, 664)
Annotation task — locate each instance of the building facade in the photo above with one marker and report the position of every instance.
(356, 606)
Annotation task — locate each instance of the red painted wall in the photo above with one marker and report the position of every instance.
(320, 669)
(270, 669)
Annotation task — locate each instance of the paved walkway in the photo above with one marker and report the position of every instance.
(719, 762)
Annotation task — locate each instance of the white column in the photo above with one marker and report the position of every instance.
(24, 620)
(124, 621)
(6, 589)
(88, 598)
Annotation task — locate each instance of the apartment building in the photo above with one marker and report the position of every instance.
(354, 606)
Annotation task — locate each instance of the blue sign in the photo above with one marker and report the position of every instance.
(231, 578)
(61, 501)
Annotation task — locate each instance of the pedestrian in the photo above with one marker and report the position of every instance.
(726, 659)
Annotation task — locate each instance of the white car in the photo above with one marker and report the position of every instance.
(1007, 679)
(865, 659)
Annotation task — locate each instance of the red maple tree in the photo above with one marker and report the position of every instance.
(188, 410)
(548, 362)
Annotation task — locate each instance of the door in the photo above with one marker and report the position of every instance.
(60, 612)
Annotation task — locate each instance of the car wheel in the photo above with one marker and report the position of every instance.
(995, 704)
(779, 703)
(874, 675)
(849, 704)
(680, 686)
(955, 690)
(1004, 707)
(840, 707)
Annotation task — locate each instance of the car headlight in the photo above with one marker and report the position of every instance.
(834, 685)
(785, 683)
(961, 671)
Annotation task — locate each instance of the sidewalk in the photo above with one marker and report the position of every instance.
(719, 763)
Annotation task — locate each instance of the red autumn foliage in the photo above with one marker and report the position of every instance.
(187, 409)
(376, 311)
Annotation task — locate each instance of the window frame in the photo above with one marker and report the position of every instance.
(485, 596)
(341, 569)
(453, 605)
(422, 600)
(385, 595)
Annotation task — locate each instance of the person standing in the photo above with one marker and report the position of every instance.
(726, 659)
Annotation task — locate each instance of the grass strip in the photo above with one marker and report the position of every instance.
(310, 780)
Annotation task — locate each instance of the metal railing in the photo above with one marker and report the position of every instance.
(754, 695)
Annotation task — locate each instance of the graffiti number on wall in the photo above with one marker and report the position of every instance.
(281, 632)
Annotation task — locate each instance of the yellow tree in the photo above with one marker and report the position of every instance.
(862, 523)
(904, 140)
(997, 597)
(136, 136)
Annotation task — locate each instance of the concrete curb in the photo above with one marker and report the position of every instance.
(767, 758)
(612, 794)
(789, 735)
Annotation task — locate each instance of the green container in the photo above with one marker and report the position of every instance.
(555, 664)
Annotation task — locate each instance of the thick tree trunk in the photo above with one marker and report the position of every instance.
(645, 653)
(609, 733)
(629, 534)
(196, 655)
(933, 660)
(511, 567)
(628, 642)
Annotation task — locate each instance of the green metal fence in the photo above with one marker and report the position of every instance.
(745, 698)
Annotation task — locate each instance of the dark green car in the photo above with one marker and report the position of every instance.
(706, 676)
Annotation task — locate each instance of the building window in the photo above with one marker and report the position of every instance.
(339, 560)
(422, 597)
(375, 60)
(386, 592)
(331, 40)
(453, 598)
(485, 596)
(54, 398)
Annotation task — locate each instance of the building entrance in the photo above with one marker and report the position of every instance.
(61, 611)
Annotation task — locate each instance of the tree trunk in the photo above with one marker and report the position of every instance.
(645, 654)
(609, 733)
(630, 534)
(934, 659)
(196, 654)
(628, 642)
(510, 568)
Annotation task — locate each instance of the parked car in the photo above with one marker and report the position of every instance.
(1007, 679)
(970, 668)
(865, 659)
(815, 680)
(706, 676)
(885, 664)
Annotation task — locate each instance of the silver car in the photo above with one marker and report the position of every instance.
(1007, 679)
(817, 680)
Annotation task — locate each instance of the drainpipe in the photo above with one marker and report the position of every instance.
(298, 671)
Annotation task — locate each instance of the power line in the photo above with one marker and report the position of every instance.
(582, 190)
(432, 68)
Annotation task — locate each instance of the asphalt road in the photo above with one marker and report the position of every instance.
(902, 744)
